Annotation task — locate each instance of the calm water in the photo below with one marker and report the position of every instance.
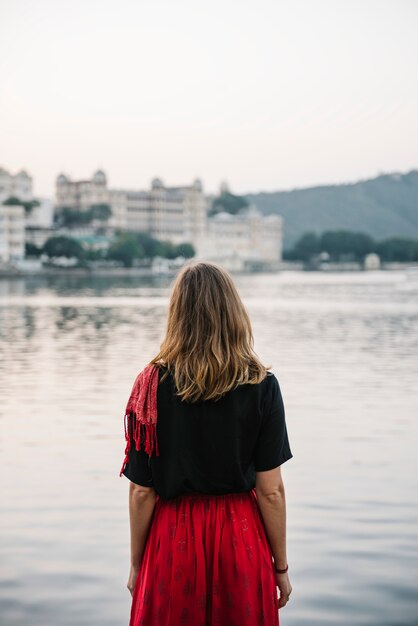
(345, 349)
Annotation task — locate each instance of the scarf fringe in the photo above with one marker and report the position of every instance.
(142, 410)
(144, 438)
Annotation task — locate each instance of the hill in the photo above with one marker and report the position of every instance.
(385, 206)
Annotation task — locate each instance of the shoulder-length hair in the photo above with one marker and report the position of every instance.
(208, 346)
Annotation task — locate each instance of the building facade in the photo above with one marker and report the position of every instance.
(246, 240)
(81, 194)
(175, 214)
(12, 233)
(41, 216)
(18, 185)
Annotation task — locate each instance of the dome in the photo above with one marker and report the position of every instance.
(157, 183)
(100, 177)
(62, 179)
(197, 184)
(23, 174)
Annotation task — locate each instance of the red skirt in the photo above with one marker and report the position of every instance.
(207, 562)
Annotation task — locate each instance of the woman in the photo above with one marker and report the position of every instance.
(206, 500)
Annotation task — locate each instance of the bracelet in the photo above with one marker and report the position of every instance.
(281, 571)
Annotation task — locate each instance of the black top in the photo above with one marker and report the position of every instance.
(213, 446)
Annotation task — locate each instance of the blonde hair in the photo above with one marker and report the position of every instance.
(208, 345)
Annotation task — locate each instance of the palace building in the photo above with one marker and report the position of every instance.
(179, 214)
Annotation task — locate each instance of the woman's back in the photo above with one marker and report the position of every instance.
(213, 447)
(205, 437)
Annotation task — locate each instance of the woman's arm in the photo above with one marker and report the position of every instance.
(271, 500)
(141, 509)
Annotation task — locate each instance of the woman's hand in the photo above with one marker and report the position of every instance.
(133, 574)
(283, 583)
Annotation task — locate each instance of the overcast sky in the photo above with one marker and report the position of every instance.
(267, 94)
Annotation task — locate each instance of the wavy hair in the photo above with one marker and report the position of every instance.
(208, 346)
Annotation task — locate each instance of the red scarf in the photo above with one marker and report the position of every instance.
(142, 404)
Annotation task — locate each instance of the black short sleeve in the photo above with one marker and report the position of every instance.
(138, 469)
(272, 447)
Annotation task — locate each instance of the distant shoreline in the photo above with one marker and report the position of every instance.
(81, 271)
(149, 272)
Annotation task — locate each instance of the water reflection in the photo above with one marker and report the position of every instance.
(345, 350)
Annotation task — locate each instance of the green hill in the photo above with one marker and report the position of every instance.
(385, 206)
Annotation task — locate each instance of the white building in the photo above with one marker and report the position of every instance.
(81, 194)
(12, 233)
(41, 216)
(246, 240)
(179, 214)
(176, 214)
(16, 185)
(372, 261)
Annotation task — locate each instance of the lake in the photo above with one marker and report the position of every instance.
(344, 347)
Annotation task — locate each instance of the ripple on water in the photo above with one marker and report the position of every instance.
(344, 347)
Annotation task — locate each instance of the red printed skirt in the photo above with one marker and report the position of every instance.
(207, 562)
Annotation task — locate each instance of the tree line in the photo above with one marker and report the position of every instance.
(69, 217)
(347, 245)
(228, 202)
(28, 205)
(125, 248)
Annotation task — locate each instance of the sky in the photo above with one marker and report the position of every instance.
(267, 94)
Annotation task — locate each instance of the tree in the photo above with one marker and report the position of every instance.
(306, 247)
(68, 216)
(398, 249)
(228, 202)
(186, 250)
(166, 249)
(30, 204)
(12, 201)
(32, 250)
(100, 212)
(150, 245)
(63, 246)
(73, 217)
(125, 248)
(92, 254)
(27, 204)
(346, 242)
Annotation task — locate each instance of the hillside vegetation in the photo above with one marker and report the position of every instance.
(385, 206)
